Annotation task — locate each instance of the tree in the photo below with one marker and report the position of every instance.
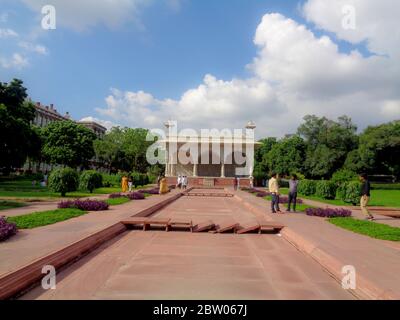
(379, 150)
(68, 143)
(63, 180)
(328, 143)
(16, 134)
(287, 156)
(260, 158)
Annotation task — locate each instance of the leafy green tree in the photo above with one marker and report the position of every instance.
(328, 143)
(108, 150)
(287, 156)
(16, 134)
(261, 168)
(379, 150)
(63, 180)
(68, 143)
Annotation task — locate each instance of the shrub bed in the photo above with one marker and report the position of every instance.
(136, 196)
(150, 191)
(116, 196)
(328, 212)
(85, 205)
(285, 200)
(7, 229)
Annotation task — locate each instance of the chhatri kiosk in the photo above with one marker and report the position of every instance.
(210, 158)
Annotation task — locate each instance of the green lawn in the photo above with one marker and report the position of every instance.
(38, 219)
(25, 189)
(117, 201)
(379, 198)
(368, 228)
(4, 205)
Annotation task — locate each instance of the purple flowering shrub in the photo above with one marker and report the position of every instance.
(116, 196)
(150, 191)
(262, 194)
(7, 229)
(86, 205)
(328, 212)
(136, 196)
(285, 200)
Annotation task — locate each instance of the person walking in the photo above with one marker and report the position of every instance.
(184, 182)
(273, 188)
(365, 197)
(251, 182)
(235, 183)
(163, 186)
(293, 183)
(179, 182)
(124, 184)
(130, 183)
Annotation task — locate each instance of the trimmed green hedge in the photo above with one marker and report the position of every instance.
(307, 187)
(349, 192)
(326, 189)
(385, 186)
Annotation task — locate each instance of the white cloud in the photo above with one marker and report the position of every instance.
(104, 123)
(7, 33)
(17, 61)
(37, 48)
(294, 73)
(4, 17)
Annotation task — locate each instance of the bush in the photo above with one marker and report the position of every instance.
(263, 194)
(63, 180)
(326, 189)
(342, 176)
(90, 180)
(349, 192)
(85, 205)
(328, 212)
(136, 196)
(111, 180)
(307, 187)
(7, 229)
(150, 191)
(116, 196)
(139, 179)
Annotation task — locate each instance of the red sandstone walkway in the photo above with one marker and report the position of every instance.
(375, 260)
(29, 245)
(178, 265)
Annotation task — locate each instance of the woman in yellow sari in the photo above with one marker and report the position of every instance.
(163, 185)
(124, 184)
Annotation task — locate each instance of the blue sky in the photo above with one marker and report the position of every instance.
(166, 49)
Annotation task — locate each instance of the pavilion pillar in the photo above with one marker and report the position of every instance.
(223, 170)
(195, 170)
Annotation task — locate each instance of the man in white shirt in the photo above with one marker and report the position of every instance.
(273, 187)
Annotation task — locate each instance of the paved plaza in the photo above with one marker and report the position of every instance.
(303, 262)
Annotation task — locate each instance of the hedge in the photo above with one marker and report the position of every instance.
(307, 187)
(326, 189)
(63, 180)
(90, 180)
(349, 192)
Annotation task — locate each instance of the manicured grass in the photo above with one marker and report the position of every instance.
(25, 189)
(4, 205)
(117, 201)
(368, 228)
(38, 219)
(379, 198)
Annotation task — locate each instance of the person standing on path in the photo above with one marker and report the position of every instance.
(130, 184)
(273, 188)
(365, 196)
(163, 186)
(293, 183)
(124, 184)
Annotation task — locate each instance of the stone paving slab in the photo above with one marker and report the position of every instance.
(377, 262)
(29, 245)
(136, 266)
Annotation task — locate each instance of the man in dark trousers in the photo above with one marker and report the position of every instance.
(293, 182)
(365, 196)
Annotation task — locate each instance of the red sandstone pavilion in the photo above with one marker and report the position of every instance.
(211, 158)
